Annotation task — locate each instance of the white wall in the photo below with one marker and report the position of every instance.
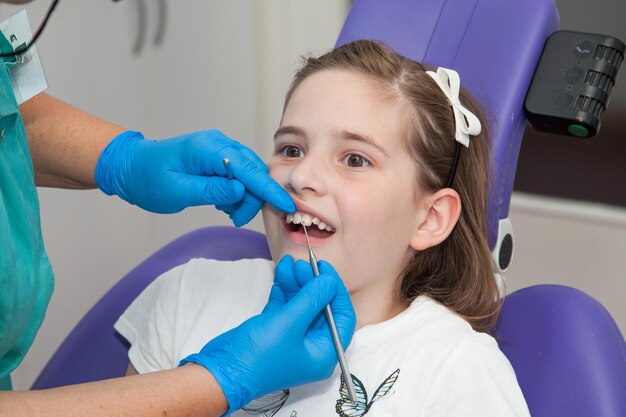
(574, 243)
(214, 70)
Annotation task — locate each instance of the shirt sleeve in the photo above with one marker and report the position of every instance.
(476, 380)
(148, 324)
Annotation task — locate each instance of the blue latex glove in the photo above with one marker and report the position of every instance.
(288, 344)
(166, 176)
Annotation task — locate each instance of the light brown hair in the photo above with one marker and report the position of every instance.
(457, 273)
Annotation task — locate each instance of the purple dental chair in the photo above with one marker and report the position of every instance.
(568, 353)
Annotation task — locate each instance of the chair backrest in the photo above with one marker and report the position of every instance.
(94, 350)
(567, 352)
(495, 46)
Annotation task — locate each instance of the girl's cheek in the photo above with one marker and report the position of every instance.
(275, 170)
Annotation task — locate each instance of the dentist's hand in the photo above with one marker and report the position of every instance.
(166, 176)
(288, 344)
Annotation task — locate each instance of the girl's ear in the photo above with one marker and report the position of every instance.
(443, 209)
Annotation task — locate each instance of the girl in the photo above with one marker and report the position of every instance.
(387, 163)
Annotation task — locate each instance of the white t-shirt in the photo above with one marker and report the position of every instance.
(426, 361)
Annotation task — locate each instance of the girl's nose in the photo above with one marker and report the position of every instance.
(310, 175)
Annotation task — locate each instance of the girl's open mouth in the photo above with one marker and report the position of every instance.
(314, 226)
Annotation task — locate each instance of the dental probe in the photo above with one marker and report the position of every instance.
(229, 169)
(347, 377)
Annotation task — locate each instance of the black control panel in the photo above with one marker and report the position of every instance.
(572, 83)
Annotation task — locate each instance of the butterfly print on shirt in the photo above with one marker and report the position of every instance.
(346, 408)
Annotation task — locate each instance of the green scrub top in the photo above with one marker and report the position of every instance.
(26, 279)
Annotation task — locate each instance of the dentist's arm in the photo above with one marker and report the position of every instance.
(229, 371)
(72, 149)
(65, 142)
(185, 391)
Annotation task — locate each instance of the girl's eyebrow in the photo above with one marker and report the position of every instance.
(340, 134)
(347, 135)
(289, 130)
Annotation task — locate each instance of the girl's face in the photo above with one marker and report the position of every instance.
(340, 154)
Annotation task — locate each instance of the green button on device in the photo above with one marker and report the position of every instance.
(578, 130)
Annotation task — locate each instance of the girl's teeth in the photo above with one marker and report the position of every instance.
(306, 220)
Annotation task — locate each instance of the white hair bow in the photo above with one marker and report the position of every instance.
(466, 122)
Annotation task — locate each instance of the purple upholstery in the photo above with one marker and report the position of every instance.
(93, 350)
(493, 44)
(568, 354)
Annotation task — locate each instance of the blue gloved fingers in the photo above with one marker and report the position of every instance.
(225, 142)
(249, 170)
(199, 190)
(341, 306)
(243, 211)
(318, 339)
(303, 272)
(284, 287)
(309, 302)
(226, 208)
(258, 182)
(246, 209)
(285, 277)
(289, 277)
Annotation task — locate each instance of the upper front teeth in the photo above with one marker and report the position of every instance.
(307, 220)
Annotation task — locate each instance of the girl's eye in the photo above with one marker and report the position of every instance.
(355, 161)
(291, 151)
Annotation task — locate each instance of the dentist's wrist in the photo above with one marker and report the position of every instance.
(114, 163)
